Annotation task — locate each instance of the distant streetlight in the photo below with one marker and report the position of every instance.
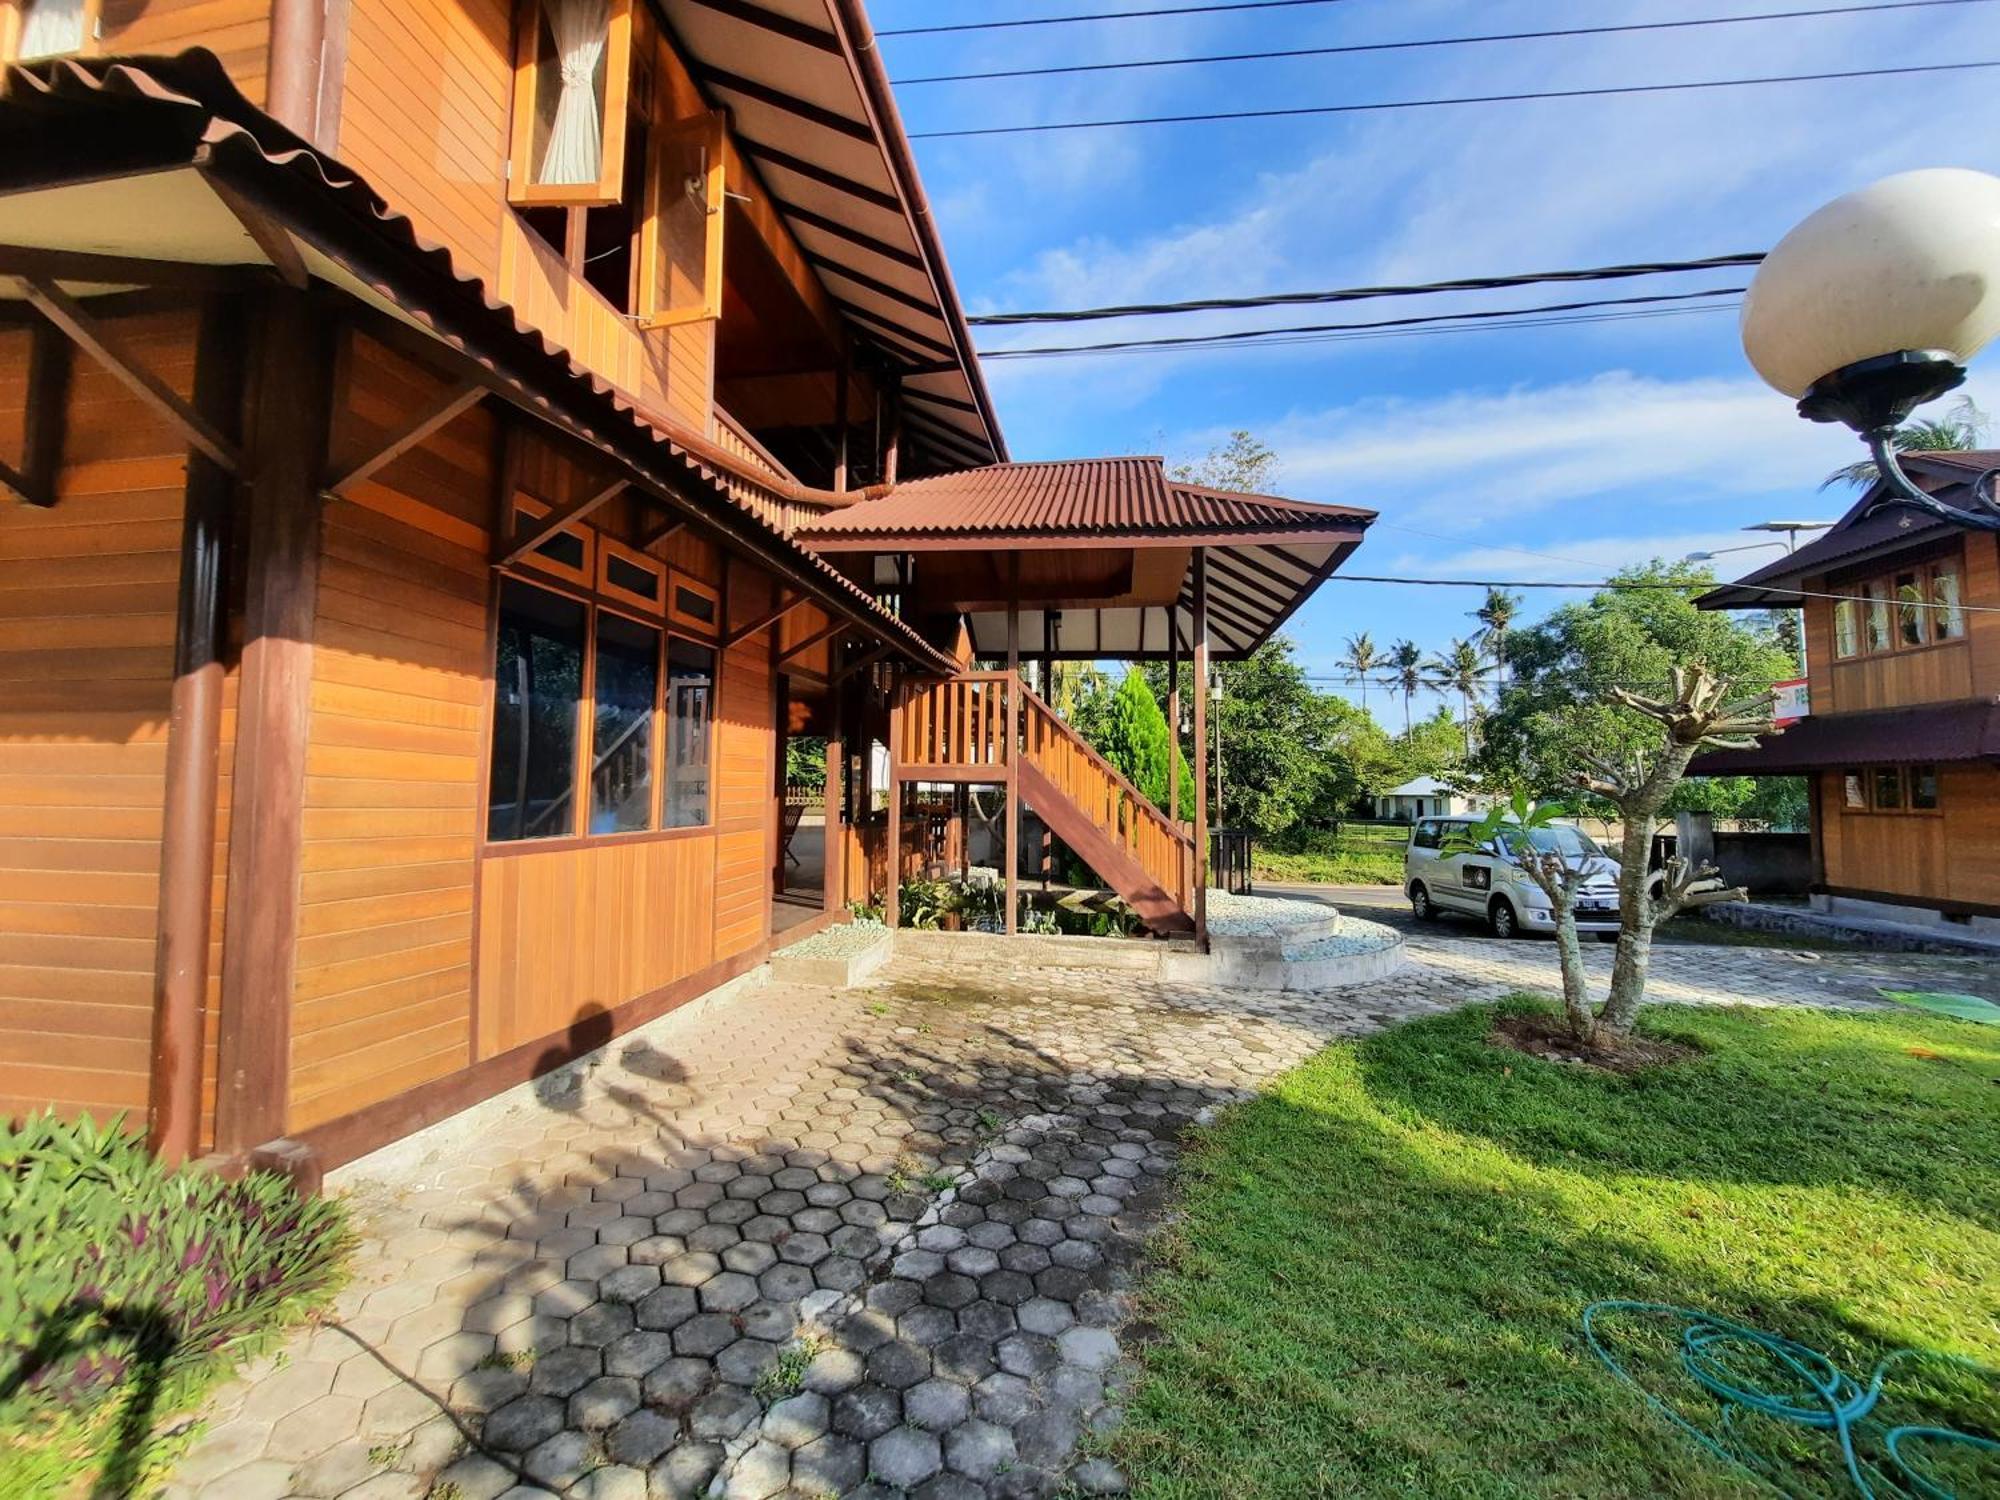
(1875, 304)
(1791, 529)
(1215, 703)
(1720, 551)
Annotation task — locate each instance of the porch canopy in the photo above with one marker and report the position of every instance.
(1099, 556)
(1931, 734)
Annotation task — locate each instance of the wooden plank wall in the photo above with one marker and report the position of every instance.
(1954, 856)
(1982, 586)
(238, 32)
(87, 603)
(425, 118)
(383, 996)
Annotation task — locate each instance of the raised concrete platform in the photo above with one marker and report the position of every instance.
(1276, 943)
(841, 956)
(1890, 929)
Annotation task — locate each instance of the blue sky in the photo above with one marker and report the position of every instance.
(1533, 454)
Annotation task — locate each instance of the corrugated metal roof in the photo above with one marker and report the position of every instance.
(1129, 498)
(1946, 477)
(1922, 735)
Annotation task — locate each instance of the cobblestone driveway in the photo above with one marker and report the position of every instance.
(808, 1243)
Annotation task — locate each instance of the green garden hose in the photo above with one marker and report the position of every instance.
(1735, 1363)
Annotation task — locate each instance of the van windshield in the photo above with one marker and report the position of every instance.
(1561, 839)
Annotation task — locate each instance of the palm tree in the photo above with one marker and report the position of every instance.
(1496, 617)
(1964, 425)
(1361, 659)
(1458, 670)
(1406, 673)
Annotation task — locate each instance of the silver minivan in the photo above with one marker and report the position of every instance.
(1489, 882)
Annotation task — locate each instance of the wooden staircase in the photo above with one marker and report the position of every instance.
(987, 727)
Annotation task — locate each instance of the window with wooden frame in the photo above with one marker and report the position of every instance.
(1891, 789)
(626, 573)
(33, 29)
(681, 242)
(568, 554)
(572, 87)
(1916, 606)
(694, 605)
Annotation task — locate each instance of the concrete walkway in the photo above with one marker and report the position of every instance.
(805, 1243)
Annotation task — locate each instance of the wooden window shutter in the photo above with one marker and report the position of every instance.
(681, 243)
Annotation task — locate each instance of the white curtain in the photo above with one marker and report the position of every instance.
(51, 28)
(576, 135)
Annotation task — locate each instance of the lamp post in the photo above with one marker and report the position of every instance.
(1875, 304)
(1215, 712)
(1790, 530)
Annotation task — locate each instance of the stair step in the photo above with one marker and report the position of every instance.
(1303, 955)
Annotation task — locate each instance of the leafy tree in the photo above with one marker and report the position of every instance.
(1242, 463)
(805, 761)
(1431, 747)
(1562, 706)
(1129, 730)
(1962, 426)
(1362, 658)
(1458, 669)
(1406, 672)
(1496, 618)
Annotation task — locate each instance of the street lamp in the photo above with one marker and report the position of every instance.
(1720, 551)
(1791, 530)
(1875, 304)
(1215, 714)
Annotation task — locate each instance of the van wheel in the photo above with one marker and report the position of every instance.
(1421, 906)
(1501, 921)
(1607, 937)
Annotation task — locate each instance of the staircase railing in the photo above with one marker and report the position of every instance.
(1118, 809)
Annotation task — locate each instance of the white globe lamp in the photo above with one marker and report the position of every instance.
(1876, 303)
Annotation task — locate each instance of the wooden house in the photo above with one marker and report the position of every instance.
(449, 447)
(1901, 747)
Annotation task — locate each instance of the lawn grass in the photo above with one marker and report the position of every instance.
(1328, 867)
(1375, 1283)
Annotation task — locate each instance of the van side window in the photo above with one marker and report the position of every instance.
(1426, 836)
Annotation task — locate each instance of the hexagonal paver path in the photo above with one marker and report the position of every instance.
(806, 1243)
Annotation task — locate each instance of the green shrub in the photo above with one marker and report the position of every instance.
(127, 1288)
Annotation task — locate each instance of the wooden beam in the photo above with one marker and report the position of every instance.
(892, 442)
(556, 519)
(288, 434)
(826, 225)
(790, 103)
(271, 239)
(84, 330)
(771, 21)
(824, 176)
(840, 381)
(95, 269)
(50, 361)
(764, 621)
(892, 880)
(1173, 719)
(860, 663)
(836, 628)
(833, 878)
(459, 399)
(1012, 749)
(13, 479)
(1201, 747)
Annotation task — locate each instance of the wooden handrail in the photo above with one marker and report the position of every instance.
(1145, 803)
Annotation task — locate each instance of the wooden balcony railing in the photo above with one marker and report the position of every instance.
(958, 724)
(1115, 807)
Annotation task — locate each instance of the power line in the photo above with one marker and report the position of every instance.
(1650, 585)
(1102, 15)
(1428, 42)
(1294, 333)
(1296, 111)
(1500, 326)
(1366, 293)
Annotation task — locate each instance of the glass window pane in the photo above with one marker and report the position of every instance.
(1888, 788)
(690, 709)
(570, 76)
(1878, 616)
(632, 578)
(621, 757)
(1924, 788)
(51, 28)
(1910, 609)
(537, 692)
(1846, 628)
(1948, 619)
(1854, 792)
(696, 606)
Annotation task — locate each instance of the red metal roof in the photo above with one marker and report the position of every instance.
(1109, 498)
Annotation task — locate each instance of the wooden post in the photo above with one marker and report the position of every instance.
(194, 739)
(1201, 747)
(892, 896)
(892, 443)
(287, 465)
(833, 844)
(1173, 719)
(1014, 753)
(840, 379)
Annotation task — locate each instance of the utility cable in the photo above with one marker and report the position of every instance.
(1241, 335)
(1102, 15)
(1654, 586)
(1367, 293)
(1300, 110)
(1349, 48)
